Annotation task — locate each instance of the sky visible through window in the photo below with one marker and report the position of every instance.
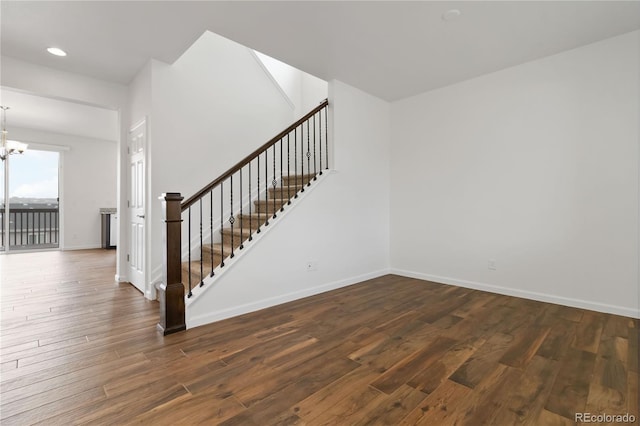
(33, 175)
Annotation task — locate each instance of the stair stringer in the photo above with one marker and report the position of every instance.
(236, 290)
(199, 292)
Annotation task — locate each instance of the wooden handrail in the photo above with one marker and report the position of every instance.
(195, 197)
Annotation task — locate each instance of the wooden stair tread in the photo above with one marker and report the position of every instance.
(304, 176)
(285, 187)
(217, 248)
(245, 225)
(272, 201)
(253, 215)
(238, 230)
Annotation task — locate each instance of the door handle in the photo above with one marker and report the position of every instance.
(141, 216)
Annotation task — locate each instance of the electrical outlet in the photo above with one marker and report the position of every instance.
(491, 264)
(312, 266)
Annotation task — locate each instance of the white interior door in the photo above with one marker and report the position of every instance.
(136, 216)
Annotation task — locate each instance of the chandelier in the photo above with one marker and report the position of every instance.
(9, 147)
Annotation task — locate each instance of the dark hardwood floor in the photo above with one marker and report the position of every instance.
(79, 348)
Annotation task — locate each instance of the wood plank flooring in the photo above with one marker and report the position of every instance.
(78, 348)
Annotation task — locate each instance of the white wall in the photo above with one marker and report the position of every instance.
(342, 224)
(139, 95)
(536, 167)
(50, 82)
(288, 78)
(87, 183)
(210, 109)
(304, 91)
(314, 90)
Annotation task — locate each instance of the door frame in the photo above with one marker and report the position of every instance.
(38, 146)
(148, 292)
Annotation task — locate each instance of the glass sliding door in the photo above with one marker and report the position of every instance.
(33, 203)
(3, 206)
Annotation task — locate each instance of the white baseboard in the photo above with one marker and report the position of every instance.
(82, 247)
(541, 297)
(121, 278)
(211, 317)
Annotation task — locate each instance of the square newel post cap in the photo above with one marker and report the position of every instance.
(171, 196)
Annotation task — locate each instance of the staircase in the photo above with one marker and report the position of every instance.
(224, 215)
(245, 227)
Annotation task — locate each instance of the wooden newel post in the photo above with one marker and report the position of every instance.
(171, 293)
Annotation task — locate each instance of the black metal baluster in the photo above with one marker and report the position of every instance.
(211, 229)
(301, 159)
(250, 202)
(221, 224)
(295, 160)
(189, 256)
(288, 171)
(281, 180)
(241, 215)
(274, 182)
(231, 218)
(258, 197)
(326, 136)
(315, 172)
(320, 136)
(266, 187)
(308, 154)
(201, 263)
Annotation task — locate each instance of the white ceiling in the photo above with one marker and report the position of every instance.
(391, 49)
(58, 116)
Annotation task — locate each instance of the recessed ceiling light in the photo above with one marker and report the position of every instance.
(451, 15)
(56, 51)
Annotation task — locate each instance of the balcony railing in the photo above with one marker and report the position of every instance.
(30, 229)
